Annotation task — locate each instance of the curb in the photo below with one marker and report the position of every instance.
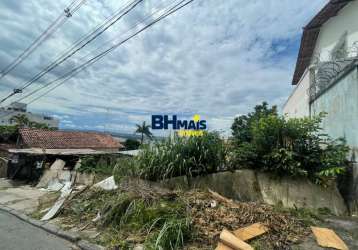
(53, 229)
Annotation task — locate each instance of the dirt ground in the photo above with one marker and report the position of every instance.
(19, 196)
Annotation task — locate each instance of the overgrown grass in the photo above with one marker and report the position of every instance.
(98, 164)
(179, 156)
(158, 223)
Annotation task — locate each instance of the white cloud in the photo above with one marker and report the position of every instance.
(216, 58)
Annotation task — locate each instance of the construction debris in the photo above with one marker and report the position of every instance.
(65, 193)
(232, 241)
(328, 238)
(222, 246)
(251, 231)
(107, 184)
(51, 175)
(283, 228)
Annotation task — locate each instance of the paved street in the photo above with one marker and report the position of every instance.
(18, 235)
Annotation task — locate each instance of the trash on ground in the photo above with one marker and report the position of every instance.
(65, 192)
(328, 238)
(250, 232)
(232, 241)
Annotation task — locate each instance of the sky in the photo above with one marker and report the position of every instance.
(214, 58)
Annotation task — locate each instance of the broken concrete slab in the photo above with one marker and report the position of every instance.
(328, 238)
(52, 173)
(107, 184)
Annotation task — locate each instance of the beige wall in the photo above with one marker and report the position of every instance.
(334, 28)
(297, 104)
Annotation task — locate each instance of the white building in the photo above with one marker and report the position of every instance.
(326, 76)
(16, 108)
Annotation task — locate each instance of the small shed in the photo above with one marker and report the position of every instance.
(37, 146)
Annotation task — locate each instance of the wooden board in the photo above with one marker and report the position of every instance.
(328, 238)
(252, 231)
(222, 246)
(232, 241)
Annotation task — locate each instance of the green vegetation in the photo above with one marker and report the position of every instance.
(241, 128)
(131, 144)
(10, 133)
(179, 156)
(157, 222)
(144, 130)
(293, 147)
(98, 164)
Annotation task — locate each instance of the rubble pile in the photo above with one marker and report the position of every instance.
(211, 214)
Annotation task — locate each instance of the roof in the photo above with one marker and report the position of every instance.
(38, 151)
(55, 139)
(310, 36)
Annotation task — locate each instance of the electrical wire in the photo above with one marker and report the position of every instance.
(55, 25)
(83, 66)
(79, 44)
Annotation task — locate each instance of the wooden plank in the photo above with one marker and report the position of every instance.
(222, 246)
(252, 231)
(328, 238)
(232, 241)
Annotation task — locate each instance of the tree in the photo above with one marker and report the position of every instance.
(131, 144)
(241, 128)
(21, 121)
(144, 131)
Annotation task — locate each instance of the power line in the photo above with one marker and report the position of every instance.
(78, 45)
(59, 21)
(83, 66)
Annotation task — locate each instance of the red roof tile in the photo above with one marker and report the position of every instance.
(310, 36)
(49, 139)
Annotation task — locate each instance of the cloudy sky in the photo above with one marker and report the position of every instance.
(214, 58)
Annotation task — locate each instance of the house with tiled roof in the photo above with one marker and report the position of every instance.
(326, 77)
(66, 140)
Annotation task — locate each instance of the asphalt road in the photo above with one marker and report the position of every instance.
(18, 235)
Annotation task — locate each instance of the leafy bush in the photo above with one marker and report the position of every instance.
(241, 128)
(293, 147)
(98, 164)
(179, 156)
(131, 144)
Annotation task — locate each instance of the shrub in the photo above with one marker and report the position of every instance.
(293, 147)
(98, 164)
(241, 128)
(131, 144)
(179, 156)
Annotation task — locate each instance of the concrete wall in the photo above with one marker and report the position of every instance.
(297, 104)
(334, 28)
(248, 185)
(341, 104)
